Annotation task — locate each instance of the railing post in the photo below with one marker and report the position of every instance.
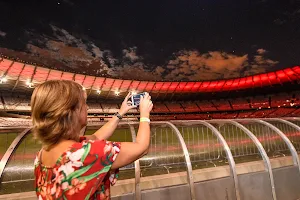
(137, 169)
(262, 151)
(187, 159)
(284, 137)
(226, 149)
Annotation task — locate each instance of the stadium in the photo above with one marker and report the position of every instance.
(240, 137)
(223, 77)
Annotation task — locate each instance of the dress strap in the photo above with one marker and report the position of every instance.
(40, 155)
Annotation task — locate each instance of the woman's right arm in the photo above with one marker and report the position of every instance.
(131, 151)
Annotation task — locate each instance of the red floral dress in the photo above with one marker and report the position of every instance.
(81, 172)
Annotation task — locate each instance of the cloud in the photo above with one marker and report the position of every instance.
(66, 49)
(186, 65)
(288, 16)
(191, 65)
(261, 51)
(260, 64)
(139, 71)
(2, 34)
(131, 54)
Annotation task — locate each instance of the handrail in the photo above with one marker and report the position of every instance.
(137, 168)
(186, 157)
(227, 151)
(261, 150)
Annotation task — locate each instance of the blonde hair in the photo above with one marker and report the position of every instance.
(55, 109)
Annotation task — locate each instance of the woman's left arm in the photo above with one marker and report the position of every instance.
(108, 129)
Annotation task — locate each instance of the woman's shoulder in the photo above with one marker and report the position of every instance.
(98, 146)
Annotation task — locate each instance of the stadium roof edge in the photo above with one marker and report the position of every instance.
(11, 70)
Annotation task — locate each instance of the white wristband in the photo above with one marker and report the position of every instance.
(144, 119)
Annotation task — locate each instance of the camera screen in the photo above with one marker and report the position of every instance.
(135, 99)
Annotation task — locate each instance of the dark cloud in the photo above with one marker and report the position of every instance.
(2, 34)
(185, 65)
(168, 40)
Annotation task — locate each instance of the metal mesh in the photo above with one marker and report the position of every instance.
(204, 147)
(165, 153)
(241, 146)
(6, 138)
(294, 135)
(270, 140)
(18, 174)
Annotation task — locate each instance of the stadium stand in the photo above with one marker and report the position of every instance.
(206, 106)
(258, 96)
(261, 113)
(240, 104)
(95, 108)
(259, 102)
(159, 107)
(190, 106)
(175, 107)
(279, 100)
(259, 107)
(110, 108)
(222, 105)
(17, 74)
(282, 112)
(201, 102)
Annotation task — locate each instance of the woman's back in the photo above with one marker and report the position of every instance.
(80, 168)
(81, 172)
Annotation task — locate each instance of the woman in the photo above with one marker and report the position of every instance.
(72, 167)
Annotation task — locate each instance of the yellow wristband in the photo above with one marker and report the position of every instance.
(144, 119)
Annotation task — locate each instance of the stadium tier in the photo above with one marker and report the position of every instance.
(16, 76)
(207, 134)
(279, 105)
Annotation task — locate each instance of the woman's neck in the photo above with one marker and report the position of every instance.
(61, 143)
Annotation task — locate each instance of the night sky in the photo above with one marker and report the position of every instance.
(154, 40)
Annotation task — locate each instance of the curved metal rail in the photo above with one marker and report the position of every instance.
(227, 151)
(284, 137)
(190, 178)
(11, 149)
(186, 157)
(261, 150)
(137, 168)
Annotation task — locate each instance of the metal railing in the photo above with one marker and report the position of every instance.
(179, 146)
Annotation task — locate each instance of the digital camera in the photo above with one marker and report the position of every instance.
(135, 99)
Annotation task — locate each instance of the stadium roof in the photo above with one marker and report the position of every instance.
(18, 76)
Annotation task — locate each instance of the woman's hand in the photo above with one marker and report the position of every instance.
(126, 105)
(132, 151)
(146, 105)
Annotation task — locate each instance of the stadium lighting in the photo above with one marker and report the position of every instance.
(3, 80)
(98, 91)
(133, 92)
(117, 93)
(29, 84)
